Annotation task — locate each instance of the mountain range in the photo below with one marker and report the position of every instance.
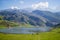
(36, 18)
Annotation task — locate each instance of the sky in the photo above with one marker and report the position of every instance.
(53, 5)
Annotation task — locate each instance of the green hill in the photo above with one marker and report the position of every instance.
(5, 23)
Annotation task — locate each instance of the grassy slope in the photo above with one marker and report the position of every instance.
(26, 25)
(13, 24)
(3, 24)
(53, 35)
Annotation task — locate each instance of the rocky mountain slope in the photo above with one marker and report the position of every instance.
(36, 18)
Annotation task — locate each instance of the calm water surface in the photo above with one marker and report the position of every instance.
(18, 30)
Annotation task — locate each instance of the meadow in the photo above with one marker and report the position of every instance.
(52, 35)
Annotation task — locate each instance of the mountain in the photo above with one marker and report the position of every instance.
(57, 14)
(35, 18)
(22, 17)
(49, 16)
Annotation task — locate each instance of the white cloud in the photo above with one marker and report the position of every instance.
(40, 5)
(53, 8)
(21, 2)
(57, 8)
(14, 7)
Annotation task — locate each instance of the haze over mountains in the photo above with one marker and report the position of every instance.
(36, 18)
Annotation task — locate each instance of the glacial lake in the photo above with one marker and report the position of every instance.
(18, 30)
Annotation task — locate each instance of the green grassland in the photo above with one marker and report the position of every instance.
(5, 24)
(53, 35)
(26, 26)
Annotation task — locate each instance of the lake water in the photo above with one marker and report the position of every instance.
(18, 30)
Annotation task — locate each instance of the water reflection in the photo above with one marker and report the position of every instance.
(19, 30)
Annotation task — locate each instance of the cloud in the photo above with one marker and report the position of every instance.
(14, 7)
(57, 8)
(40, 5)
(54, 8)
(21, 2)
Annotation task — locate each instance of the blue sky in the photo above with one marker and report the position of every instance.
(34, 4)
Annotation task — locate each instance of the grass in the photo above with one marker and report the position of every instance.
(53, 35)
(2, 26)
(26, 26)
(5, 23)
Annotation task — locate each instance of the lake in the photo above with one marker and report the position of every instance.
(18, 30)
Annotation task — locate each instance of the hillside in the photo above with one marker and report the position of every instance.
(6, 23)
(51, 17)
(35, 18)
(22, 18)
